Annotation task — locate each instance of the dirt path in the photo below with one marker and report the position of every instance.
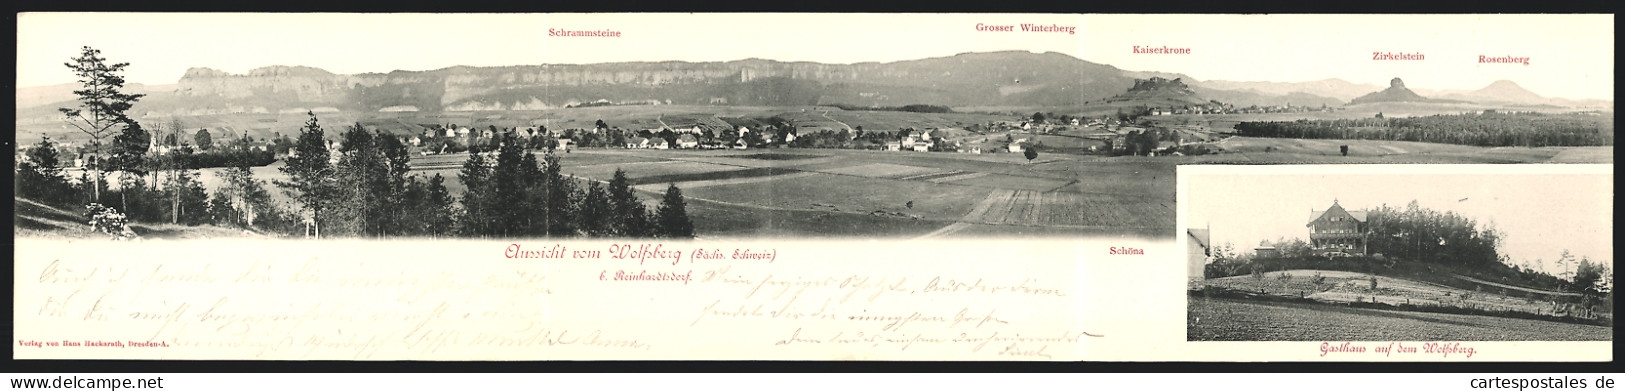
(944, 231)
(661, 188)
(663, 124)
(977, 214)
(1584, 155)
(1518, 288)
(999, 207)
(825, 114)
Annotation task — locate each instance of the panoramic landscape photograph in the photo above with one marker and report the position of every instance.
(639, 125)
(1394, 256)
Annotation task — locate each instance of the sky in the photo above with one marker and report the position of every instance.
(1541, 209)
(1571, 55)
(160, 47)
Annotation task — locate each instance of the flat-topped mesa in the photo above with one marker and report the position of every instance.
(280, 85)
(1160, 92)
(1161, 84)
(284, 70)
(968, 79)
(196, 72)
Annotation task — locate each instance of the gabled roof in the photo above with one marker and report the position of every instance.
(1359, 215)
(741, 121)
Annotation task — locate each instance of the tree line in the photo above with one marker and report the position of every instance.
(368, 190)
(1417, 238)
(1486, 129)
(914, 108)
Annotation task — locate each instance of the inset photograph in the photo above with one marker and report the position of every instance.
(1385, 253)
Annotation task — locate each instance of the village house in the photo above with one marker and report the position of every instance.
(1336, 231)
(687, 141)
(659, 143)
(637, 143)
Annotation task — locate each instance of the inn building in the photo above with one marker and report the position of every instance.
(1338, 231)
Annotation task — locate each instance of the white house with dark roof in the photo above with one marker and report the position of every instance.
(637, 143)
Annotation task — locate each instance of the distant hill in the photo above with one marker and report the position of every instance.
(1330, 88)
(1503, 92)
(1158, 91)
(1256, 98)
(1396, 92)
(970, 79)
(992, 79)
(1244, 94)
(46, 95)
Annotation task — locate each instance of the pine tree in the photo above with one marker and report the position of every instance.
(129, 159)
(672, 215)
(310, 174)
(630, 217)
(595, 211)
(130, 149)
(102, 105)
(40, 177)
(190, 202)
(477, 199)
(246, 194)
(560, 203)
(515, 205)
(431, 206)
(366, 202)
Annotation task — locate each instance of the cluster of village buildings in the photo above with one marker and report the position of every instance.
(688, 133)
(1229, 109)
